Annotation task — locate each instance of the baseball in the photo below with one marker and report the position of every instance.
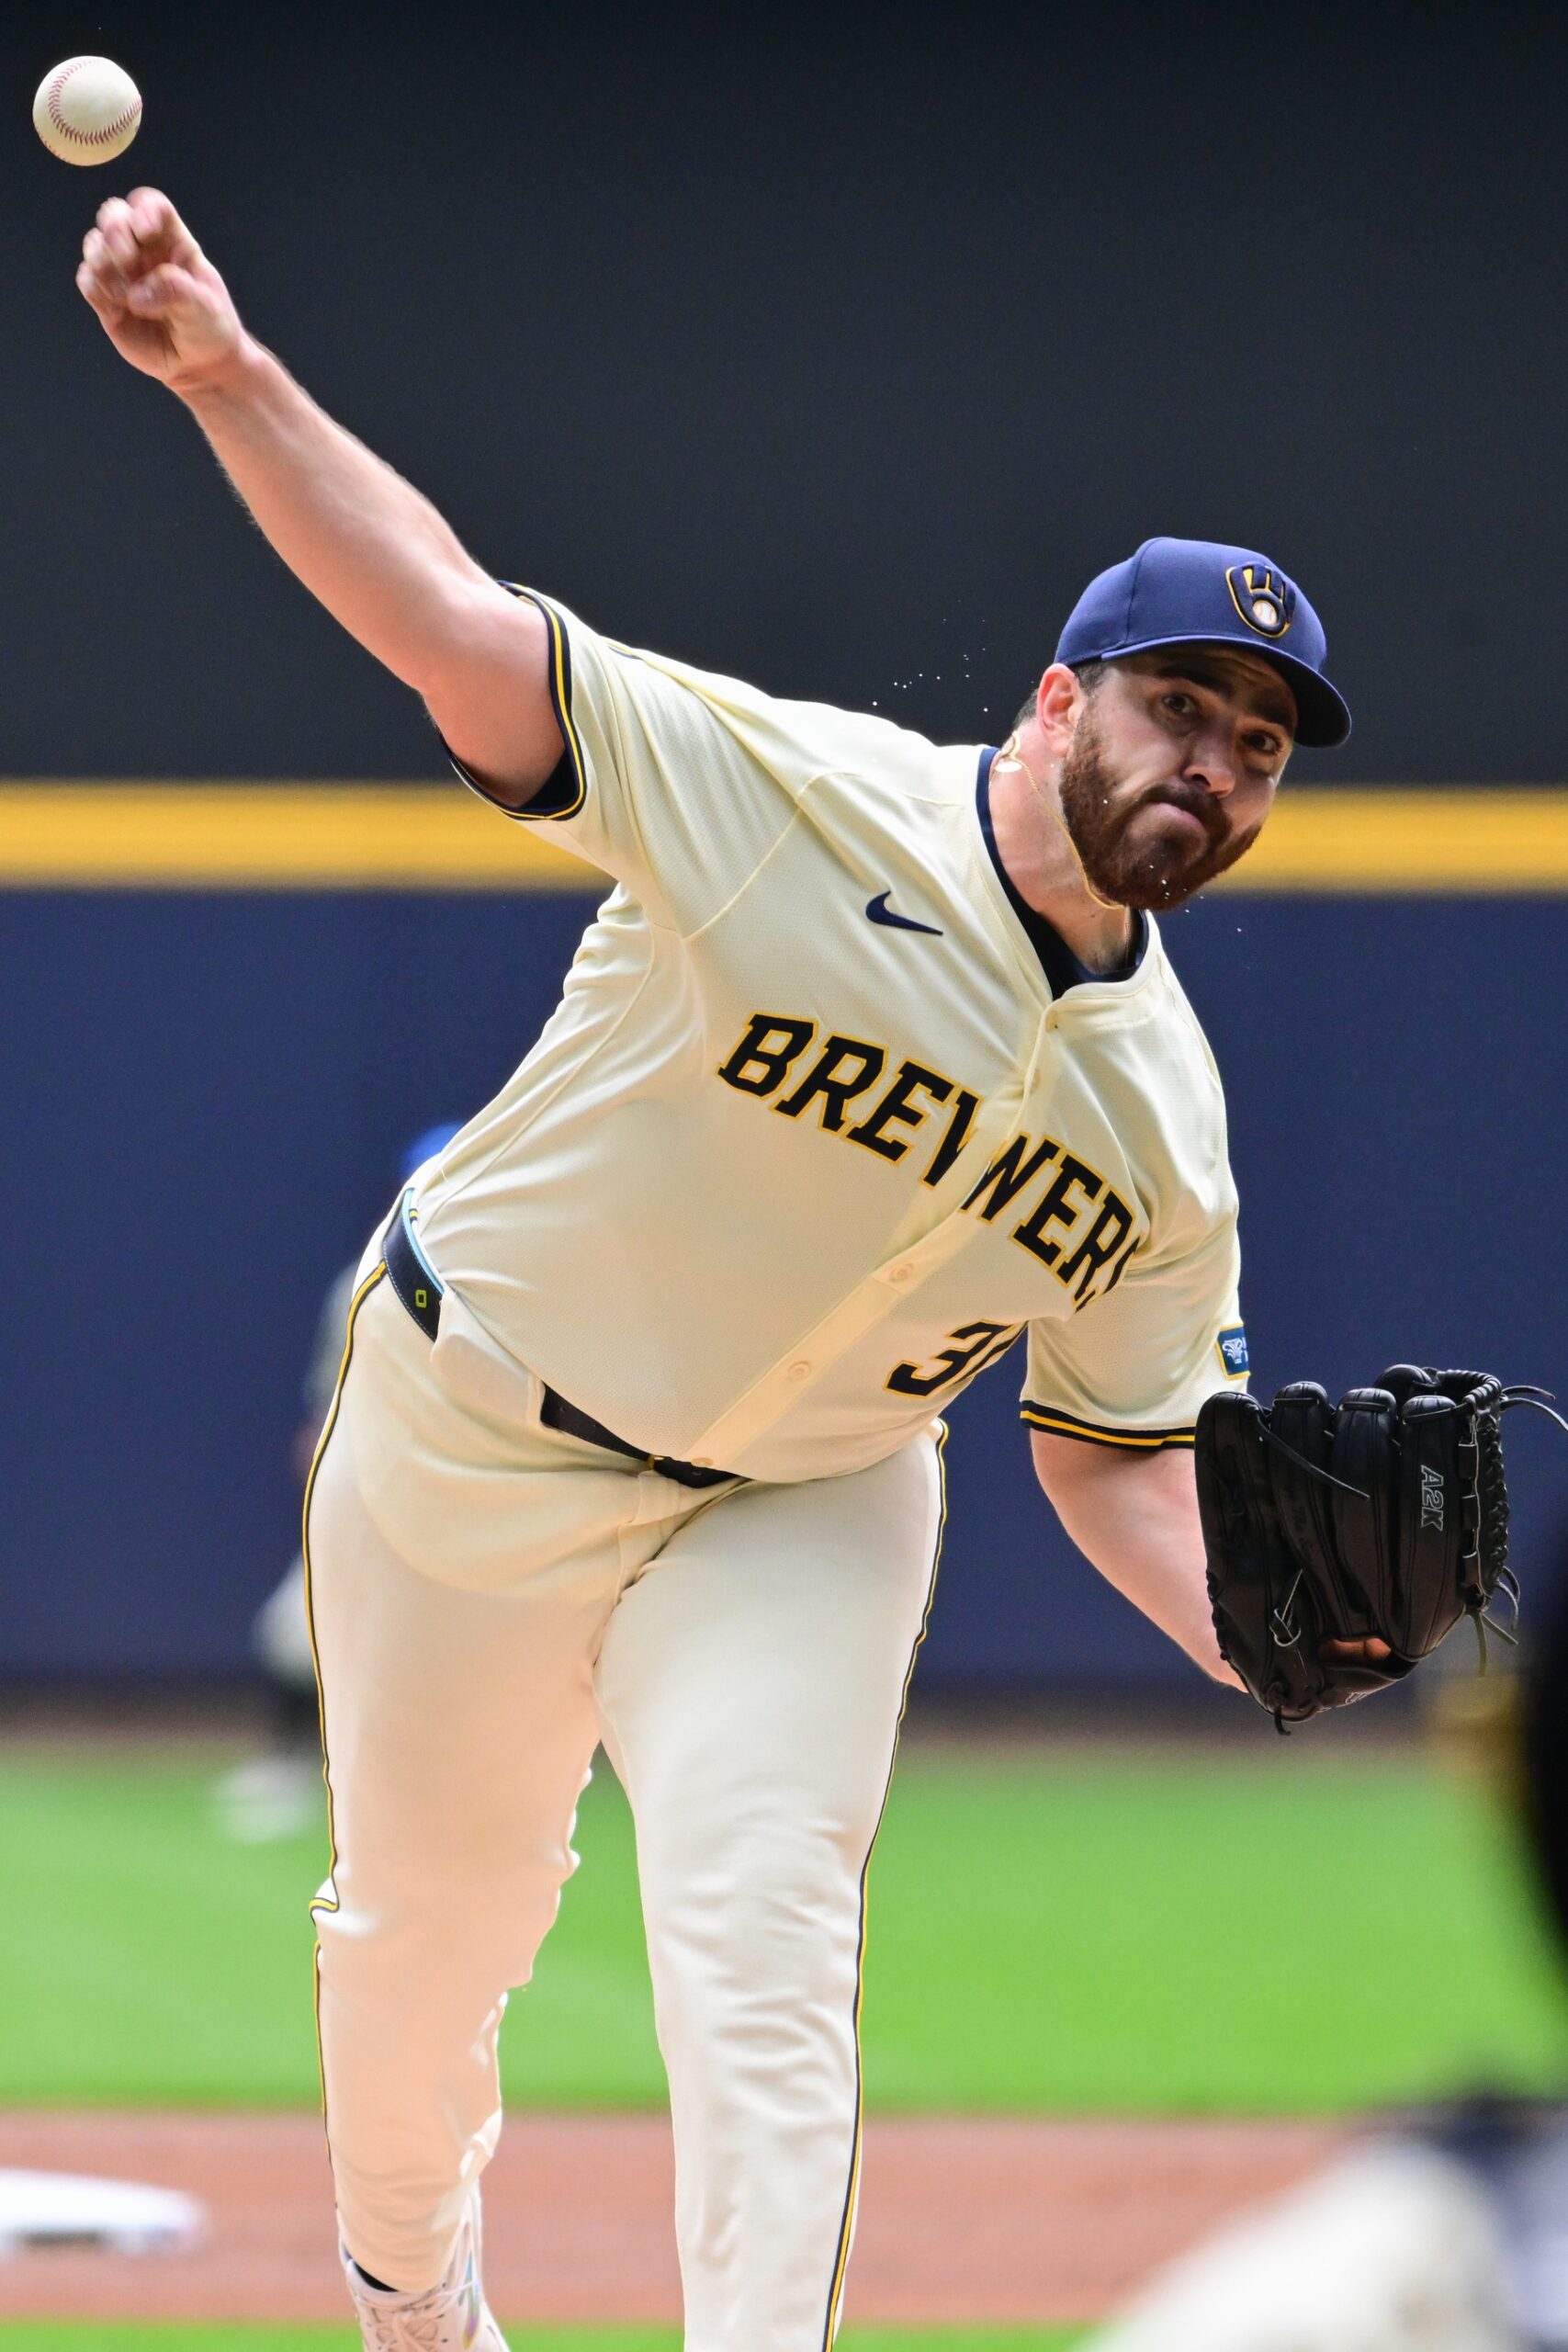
(87, 110)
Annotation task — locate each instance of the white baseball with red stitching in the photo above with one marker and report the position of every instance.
(87, 110)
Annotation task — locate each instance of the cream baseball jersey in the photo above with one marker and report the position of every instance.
(827, 1117)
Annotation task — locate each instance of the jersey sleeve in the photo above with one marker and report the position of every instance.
(1132, 1368)
(662, 782)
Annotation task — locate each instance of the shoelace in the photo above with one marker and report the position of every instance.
(1271, 1438)
(420, 2325)
(1539, 1400)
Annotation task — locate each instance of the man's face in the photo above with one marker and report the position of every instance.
(1171, 768)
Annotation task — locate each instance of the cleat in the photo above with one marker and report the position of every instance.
(451, 2316)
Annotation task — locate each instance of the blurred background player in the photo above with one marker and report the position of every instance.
(278, 1791)
(1444, 2228)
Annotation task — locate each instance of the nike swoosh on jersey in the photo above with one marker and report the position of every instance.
(880, 912)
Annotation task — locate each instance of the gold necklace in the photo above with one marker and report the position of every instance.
(1012, 756)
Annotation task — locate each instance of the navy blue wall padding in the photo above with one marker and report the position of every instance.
(203, 1103)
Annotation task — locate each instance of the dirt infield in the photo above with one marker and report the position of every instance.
(961, 2221)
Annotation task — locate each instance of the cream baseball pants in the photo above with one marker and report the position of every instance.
(489, 1601)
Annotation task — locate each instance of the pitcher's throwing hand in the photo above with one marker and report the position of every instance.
(162, 304)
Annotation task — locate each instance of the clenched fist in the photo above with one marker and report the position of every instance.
(161, 302)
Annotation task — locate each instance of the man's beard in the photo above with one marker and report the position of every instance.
(1160, 874)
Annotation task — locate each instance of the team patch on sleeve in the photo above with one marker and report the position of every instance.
(1232, 1345)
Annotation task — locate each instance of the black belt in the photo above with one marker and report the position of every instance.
(419, 1287)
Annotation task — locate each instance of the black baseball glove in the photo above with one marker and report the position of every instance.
(1384, 1518)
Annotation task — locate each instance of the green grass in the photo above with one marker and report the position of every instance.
(122, 2335)
(1241, 1932)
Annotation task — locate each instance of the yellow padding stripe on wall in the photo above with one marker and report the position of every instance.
(422, 837)
(1463, 840)
(273, 837)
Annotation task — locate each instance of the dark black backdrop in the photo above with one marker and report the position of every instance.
(835, 349)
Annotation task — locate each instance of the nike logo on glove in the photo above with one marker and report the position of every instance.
(880, 912)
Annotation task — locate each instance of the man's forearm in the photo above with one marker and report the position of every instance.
(368, 545)
(1136, 1517)
(376, 553)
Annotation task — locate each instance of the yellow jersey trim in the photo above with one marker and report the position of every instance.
(851, 2192)
(327, 1902)
(274, 836)
(1060, 1424)
(560, 703)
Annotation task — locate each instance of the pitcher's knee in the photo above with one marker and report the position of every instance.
(767, 1911)
(450, 1936)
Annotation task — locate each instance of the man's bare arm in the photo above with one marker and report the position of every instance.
(376, 553)
(1135, 1516)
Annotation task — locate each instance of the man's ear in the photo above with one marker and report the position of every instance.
(1057, 704)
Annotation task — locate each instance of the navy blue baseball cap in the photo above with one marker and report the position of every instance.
(1187, 591)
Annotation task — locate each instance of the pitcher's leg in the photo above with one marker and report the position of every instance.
(751, 1686)
(458, 1730)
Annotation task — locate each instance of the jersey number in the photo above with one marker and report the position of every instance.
(975, 1345)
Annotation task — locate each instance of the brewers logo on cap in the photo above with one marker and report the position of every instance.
(1266, 600)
